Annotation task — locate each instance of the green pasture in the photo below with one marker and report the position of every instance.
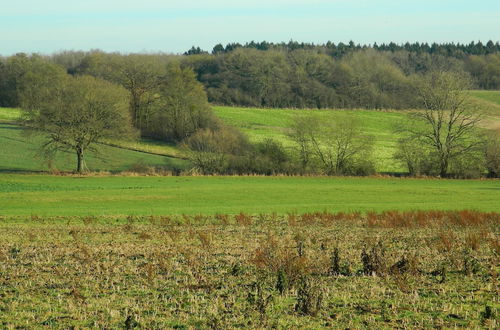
(490, 96)
(21, 152)
(44, 195)
(260, 124)
(9, 115)
(488, 102)
(148, 146)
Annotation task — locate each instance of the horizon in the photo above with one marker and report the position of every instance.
(244, 44)
(174, 27)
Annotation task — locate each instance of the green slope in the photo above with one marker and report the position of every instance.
(273, 123)
(489, 96)
(488, 103)
(8, 115)
(18, 152)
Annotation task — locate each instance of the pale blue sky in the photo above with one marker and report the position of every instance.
(174, 26)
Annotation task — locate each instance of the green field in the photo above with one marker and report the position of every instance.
(489, 103)
(117, 195)
(9, 115)
(22, 153)
(490, 96)
(260, 124)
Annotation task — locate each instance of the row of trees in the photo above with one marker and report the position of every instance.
(322, 148)
(107, 97)
(301, 78)
(457, 50)
(277, 75)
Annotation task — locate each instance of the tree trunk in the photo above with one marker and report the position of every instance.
(79, 164)
(443, 168)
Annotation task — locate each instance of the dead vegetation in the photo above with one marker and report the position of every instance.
(391, 269)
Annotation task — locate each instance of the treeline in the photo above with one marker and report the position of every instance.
(291, 75)
(457, 50)
(166, 102)
(334, 76)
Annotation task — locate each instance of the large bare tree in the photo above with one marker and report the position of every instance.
(74, 114)
(446, 124)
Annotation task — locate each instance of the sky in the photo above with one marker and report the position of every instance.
(173, 26)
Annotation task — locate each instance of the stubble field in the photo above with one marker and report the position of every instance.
(377, 270)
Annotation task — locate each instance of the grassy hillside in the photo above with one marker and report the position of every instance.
(489, 104)
(9, 115)
(20, 152)
(273, 123)
(56, 195)
(258, 124)
(490, 96)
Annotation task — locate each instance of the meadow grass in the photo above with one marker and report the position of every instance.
(25, 195)
(9, 115)
(20, 152)
(260, 124)
(488, 102)
(161, 148)
(490, 96)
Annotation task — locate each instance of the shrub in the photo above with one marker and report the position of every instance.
(374, 260)
(492, 153)
(309, 298)
(209, 149)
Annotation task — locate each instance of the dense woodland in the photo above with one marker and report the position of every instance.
(294, 75)
(334, 76)
(167, 97)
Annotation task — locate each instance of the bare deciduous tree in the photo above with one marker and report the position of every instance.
(448, 125)
(302, 131)
(75, 113)
(492, 153)
(339, 147)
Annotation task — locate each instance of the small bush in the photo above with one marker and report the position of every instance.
(309, 298)
(492, 153)
(374, 260)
